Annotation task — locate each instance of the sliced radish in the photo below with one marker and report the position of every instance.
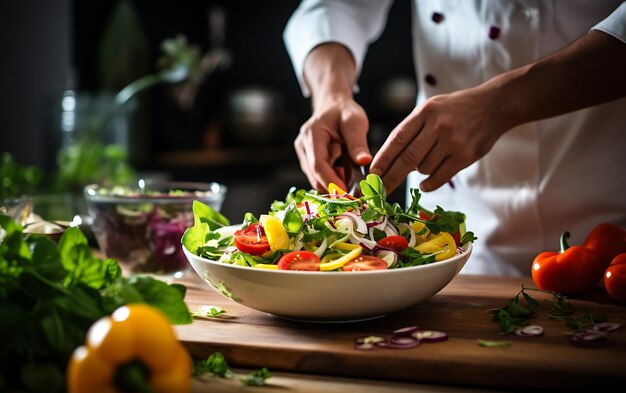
(430, 336)
(405, 331)
(529, 331)
(607, 326)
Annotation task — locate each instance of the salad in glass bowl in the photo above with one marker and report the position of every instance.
(333, 232)
(141, 225)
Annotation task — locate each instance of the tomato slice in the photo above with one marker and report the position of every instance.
(252, 240)
(299, 260)
(395, 242)
(364, 263)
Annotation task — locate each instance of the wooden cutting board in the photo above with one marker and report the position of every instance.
(252, 339)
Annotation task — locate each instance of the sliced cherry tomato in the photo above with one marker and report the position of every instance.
(252, 240)
(456, 235)
(299, 260)
(615, 278)
(395, 242)
(363, 263)
(424, 215)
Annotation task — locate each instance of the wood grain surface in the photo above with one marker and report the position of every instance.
(252, 339)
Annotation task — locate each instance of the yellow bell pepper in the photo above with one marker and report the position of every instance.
(339, 262)
(421, 232)
(133, 349)
(277, 236)
(266, 266)
(442, 244)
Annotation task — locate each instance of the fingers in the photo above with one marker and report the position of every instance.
(407, 144)
(316, 151)
(354, 126)
(440, 176)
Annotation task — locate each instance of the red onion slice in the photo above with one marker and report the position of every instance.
(529, 331)
(405, 331)
(399, 343)
(606, 326)
(359, 225)
(430, 336)
(590, 338)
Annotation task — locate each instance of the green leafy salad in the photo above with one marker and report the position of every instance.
(337, 231)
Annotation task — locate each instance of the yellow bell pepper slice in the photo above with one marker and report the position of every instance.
(339, 262)
(266, 266)
(277, 236)
(443, 245)
(346, 246)
(334, 189)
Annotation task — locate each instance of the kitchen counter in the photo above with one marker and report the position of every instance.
(321, 357)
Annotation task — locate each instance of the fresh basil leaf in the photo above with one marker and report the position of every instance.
(167, 298)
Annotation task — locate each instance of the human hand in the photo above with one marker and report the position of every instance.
(440, 137)
(318, 145)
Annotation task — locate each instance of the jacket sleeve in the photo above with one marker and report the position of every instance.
(614, 24)
(352, 23)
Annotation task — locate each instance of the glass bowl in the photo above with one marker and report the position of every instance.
(141, 225)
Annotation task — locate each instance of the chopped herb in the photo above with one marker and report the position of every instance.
(516, 313)
(208, 312)
(216, 365)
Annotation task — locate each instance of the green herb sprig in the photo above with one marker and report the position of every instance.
(517, 313)
(216, 365)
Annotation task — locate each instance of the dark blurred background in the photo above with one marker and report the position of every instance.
(236, 125)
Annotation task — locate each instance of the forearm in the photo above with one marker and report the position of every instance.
(589, 72)
(329, 73)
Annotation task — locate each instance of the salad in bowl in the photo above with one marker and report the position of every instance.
(333, 232)
(330, 257)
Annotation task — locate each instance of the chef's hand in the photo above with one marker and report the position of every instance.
(449, 132)
(318, 144)
(443, 135)
(329, 72)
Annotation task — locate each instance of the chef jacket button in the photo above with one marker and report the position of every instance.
(494, 32)
(437, 17)
(430, 79)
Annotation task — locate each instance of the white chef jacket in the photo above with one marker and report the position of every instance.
(539, 179)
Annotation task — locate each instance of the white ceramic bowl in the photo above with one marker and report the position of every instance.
(328, 296)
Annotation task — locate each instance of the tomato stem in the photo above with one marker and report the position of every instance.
(564, 245)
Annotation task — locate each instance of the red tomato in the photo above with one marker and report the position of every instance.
(299, 260)
(615, 278)
(607, 240)
(424, 215)
(396, 242)
(252, 240)
(457, 238)
(363, 263)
